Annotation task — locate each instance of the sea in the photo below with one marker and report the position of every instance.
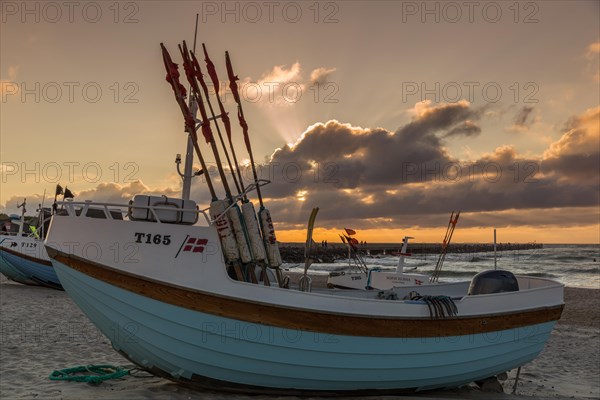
(575, 265)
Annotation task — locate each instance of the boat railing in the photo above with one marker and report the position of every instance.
(79, 209)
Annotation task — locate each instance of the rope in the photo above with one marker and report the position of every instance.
(439, 306)
(97, 373)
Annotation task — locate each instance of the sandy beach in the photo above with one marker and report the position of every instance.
(42, 330)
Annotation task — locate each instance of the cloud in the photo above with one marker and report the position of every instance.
(593, 56)
(372, 178)
(467, 128)
(104, 192)
(576, 155)
(522, 121)
(349, 157)
(282, 74)
(429, 119)
(9, 86)
(321, 75)
(281, 86)
(117, 193)
(360, 175)
(593, 50)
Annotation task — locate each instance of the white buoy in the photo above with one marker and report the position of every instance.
(256, 242)
(226, 235)
(240, 236)
(268, 231)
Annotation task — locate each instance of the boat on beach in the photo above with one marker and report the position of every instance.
(23, 256)
(167, 284)
(359, 276)
(177, 314)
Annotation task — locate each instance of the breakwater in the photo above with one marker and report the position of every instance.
(294, 252)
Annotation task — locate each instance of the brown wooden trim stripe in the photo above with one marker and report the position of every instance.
(322, 322)
(27, 257)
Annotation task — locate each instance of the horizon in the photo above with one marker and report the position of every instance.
(386, 115)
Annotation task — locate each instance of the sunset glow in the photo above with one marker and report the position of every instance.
(385, 128)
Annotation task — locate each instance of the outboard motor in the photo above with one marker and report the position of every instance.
(493, 281)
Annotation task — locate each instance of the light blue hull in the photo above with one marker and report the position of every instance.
(12, 273)
(186, 345)
(39, 273)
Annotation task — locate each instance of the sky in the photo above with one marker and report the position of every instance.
(386, 115)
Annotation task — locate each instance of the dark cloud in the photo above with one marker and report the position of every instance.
(431, 120)
(522, 120)
(523, 115)
(374, 178)
(467, 128)
(407, 178)
(576, 155)
(350, 157)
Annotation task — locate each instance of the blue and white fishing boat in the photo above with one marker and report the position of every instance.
(169, 305)
(6, 268)
(23, 257)
(174, 296)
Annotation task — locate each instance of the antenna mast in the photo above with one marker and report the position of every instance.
(189, 152)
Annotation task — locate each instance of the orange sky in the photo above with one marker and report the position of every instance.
(526, 234)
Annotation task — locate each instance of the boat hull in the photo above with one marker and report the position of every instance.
(26, 260)
(376, 279)
(12, 273)
(347, 280)
(207, 350)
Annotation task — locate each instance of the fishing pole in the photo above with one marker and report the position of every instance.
(447, 239)
(261, 243)
(266, 223)
(234, 89)
(243, 240)
(218, 207)
(190, 123)
(224, 117)
(205, 125)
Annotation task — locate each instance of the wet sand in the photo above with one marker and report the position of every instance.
(42, 330)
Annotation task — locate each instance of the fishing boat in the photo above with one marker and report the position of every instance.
(23, 257)
(170, 290)
(359, 276)
(6, 268)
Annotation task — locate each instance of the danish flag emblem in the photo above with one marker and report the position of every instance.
(418, 282)
(195, 245)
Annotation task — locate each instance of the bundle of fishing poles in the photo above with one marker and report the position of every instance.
(247, 238)
(354, 253)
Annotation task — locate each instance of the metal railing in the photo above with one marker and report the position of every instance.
(124, 209)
